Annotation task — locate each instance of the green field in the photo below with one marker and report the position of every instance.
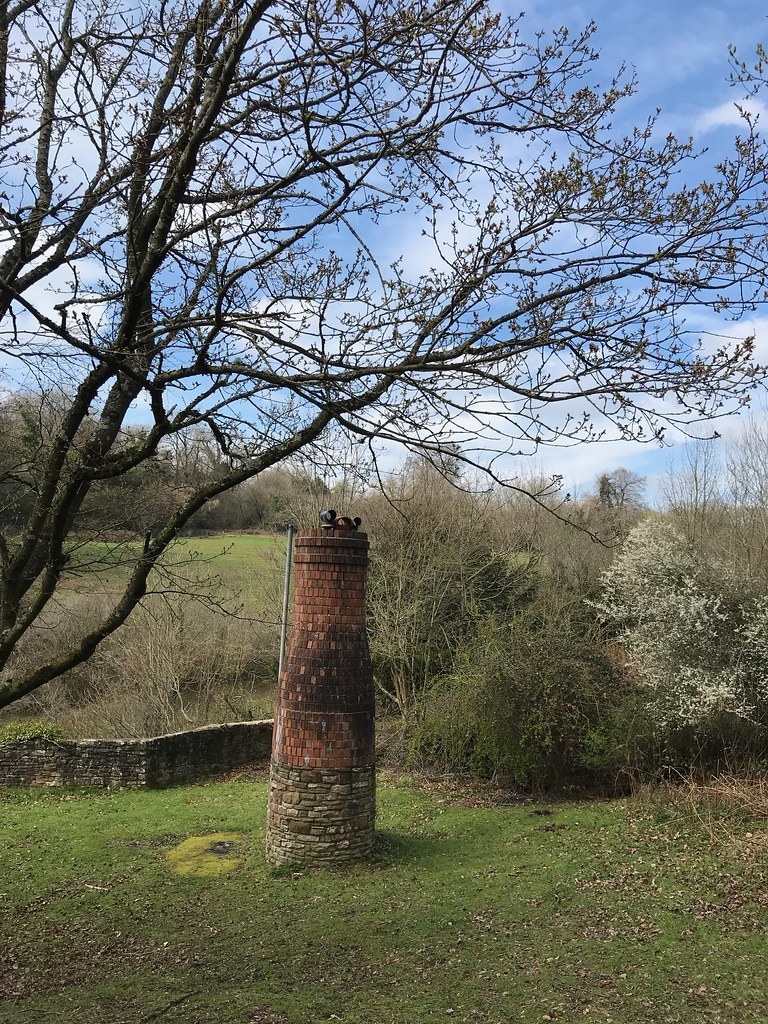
(249, 567)
(605, 911)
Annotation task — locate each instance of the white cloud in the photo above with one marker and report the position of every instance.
(729, 114)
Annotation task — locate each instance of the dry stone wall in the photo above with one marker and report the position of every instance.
(156, 762)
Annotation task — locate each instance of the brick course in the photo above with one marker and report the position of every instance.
(324, 713)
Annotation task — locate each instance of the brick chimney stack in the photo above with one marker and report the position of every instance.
(322, 779)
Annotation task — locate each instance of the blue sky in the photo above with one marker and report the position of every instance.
(680, 55)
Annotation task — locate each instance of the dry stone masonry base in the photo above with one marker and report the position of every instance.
(322, 789)
(321, 816)
(160, 761)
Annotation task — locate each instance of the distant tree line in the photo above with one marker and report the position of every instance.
(139, 501)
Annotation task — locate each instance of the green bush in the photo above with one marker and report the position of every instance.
(29, 729)
(530, 701)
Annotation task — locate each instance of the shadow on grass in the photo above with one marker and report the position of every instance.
(392, 848)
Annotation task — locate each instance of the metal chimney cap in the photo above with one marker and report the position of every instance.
(332, 521)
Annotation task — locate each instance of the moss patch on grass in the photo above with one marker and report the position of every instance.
(206, 856)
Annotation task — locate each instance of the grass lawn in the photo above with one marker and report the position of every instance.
(605, 911)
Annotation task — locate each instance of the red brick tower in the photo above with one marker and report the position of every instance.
(322, 781)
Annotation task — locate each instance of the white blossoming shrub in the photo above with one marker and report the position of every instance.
(696, 635)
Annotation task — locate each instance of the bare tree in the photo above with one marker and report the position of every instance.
(202, 213)
(619, 499)
(746, 493)
(692, 490)
(439, 570)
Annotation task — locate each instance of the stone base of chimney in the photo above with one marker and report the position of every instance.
(320, 816)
